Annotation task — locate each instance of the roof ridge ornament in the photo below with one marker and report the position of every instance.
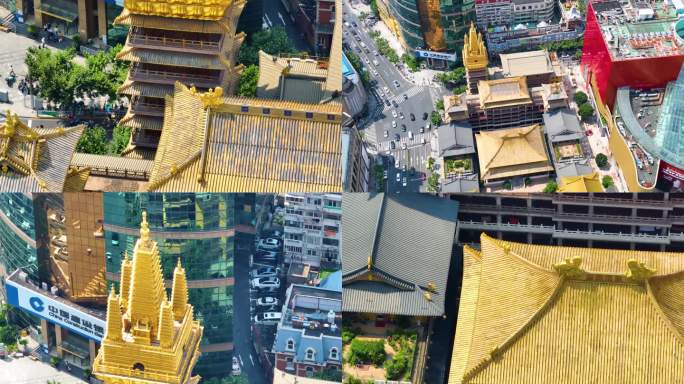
(144, 229)
(570, 268)
(638, 271)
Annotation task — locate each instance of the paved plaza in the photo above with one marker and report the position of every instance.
(26, 371)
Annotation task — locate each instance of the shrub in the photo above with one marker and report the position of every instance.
(54, 361)
(551, 187)
(601, 160)
(348, 335)
(367, 352)
(586, 111)
(607, 182)
(580, 98)
(396, 368)
(508, 185)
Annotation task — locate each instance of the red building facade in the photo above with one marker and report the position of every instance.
(611, 73)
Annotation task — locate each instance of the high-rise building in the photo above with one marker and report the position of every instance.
(149, 336)
(190, 41)
(312, 229)
(316, 19)
(204, 231)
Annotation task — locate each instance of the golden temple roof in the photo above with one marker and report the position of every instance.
(581, 183)
(186, 9)
(503, 92)
(166, 23)
(512, 152)
(149, 338)
(575, 315)
(474, 50)
(35, 159)
(239, 144)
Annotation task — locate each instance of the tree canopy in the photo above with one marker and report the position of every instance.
(273, 41)
(248, 81)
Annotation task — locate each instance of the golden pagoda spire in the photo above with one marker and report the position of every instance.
(146, 287)
(166, 324)
(179, 292)
(126, 267)
(474, 50)
(114, 322)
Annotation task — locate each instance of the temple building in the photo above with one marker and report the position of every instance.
(512, 152)
(149, 337)
(191, 41)
(215, 143)
(475, 60)
(35, 159)
(563, 302)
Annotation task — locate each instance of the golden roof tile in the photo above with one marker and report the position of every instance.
(169, 23)
(551, 332)
(512, 152)
(186, 9)
(503, 92)
(581, 183)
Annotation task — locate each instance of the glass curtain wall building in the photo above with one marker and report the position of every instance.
(204, 231)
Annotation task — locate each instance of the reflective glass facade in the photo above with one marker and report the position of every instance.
(456, 18)
(406, 14)
(15, 250)
(200, 229)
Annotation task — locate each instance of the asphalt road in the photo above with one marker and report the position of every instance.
(242, 334)
(275, 15)
(382, 126)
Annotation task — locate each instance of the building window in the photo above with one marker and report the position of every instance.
(310, 353)
(287, 112)
(309, 371)
(289, 364)
(244, 108)
(333, 354)
(290, 345)
(309, 115)
(266, 111)
(331, 117)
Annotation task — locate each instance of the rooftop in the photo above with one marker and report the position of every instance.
(562, 302)
(634, 32)
(391, 264)
(527, 63)
(503, 92)
(580, 184)
(316, 310)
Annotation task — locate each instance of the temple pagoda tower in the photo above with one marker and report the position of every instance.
(475, 58)
(191, 41)
(149, 338)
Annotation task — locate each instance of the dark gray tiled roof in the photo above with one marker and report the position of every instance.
(410, 239)
(455, 140)
(573, 168)
(469, 183)
(562, 125)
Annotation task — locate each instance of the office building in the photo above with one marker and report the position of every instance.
(312, 229)
(150, 336)
(204, 231)
(190, 41)
(562, 302)
(355, 161)
(316, 21)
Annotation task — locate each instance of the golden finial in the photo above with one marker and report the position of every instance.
(10, 124)
(178, 264)
(174, 169)
(5, 168)
(212, 97)
(570, 268)
(638, 271)
(427, 295)
(432, 287)
(370, 262)
(144, 228)
(507, 248)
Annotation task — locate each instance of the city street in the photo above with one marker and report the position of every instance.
(275, 15)
(394, 100)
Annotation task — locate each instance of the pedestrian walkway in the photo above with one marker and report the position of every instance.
(399, 98)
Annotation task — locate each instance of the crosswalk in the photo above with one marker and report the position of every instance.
(399, 97)
(417, 141)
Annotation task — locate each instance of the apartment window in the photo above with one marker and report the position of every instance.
(309, 371)
(331, 117)
(309, 115)
(266, 111)
(333, 354)
(244, 108)
(290, 345)
(287, 112)
(310, 353)
(289, 364)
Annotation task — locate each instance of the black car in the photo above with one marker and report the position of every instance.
(412, 116)
(354, 24)
(396, 105)
(397, 137)
(392, 145)
(425, 115)
(388, 103)
(403, 127)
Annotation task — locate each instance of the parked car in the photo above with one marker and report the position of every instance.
(264, 272)
(396, 105)
(425, 115)
(267, 318)
(412, 116)
(263, 292)
(392, 145)
(236, 371)
(396, 83)
(265, 282)
(269, 243)
(386, 133)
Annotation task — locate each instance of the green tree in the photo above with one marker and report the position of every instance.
(102, 75)
(433, 182)
(329, 375)
(374, 8)
(439, 105)
(430, 163)
(93, 140)
(580, 98)
(607, 182)
(601, 160)
(410, 62)
(436, 118)
(273, 41)
(54, 72)
(120, 138)
(551, 187)
(586, 111)
(248, 81)
(9, 334)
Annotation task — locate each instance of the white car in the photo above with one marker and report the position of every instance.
(398, 177)
(236, 371)
(394, 113)
(265, 282)
(267, 318)
(386, 90)
(403, 145)
(396, 163)
(264, 272)
(386, 133)
(394, 123)
(403, 182)
(266, 301)
(269, 243)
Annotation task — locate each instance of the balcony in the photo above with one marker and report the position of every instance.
(506, 227)
(610, 201)
(486, 208)
(147, 109)
(608, 236)
(142, 40)
(142, 138)
(166, 77)
(612, 219)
